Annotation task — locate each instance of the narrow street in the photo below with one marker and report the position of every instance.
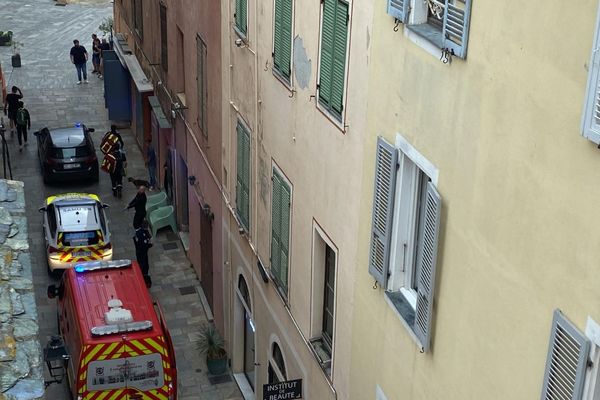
(48, 81)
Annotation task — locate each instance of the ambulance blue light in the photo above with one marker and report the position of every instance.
(79, 268)
(78, 125)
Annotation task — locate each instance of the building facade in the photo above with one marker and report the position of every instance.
(173, 42)
(476, 273)
(293, 126)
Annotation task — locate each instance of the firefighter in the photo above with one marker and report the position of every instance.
(116, 175)
(143, 241)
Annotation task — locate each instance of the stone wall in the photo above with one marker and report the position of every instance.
(21, 360)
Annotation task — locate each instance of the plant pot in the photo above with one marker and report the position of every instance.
(5, 41)
(217, 366)
(16, 60)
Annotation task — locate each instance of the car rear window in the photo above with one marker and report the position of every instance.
(86, 238)
(70, 152)
(143, 372)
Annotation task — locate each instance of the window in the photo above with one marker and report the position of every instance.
(567, 361)
(51, 213)
(201, 84)
(406, 219)
(334, 33)
(282, 38)
(164, 49)
(276, 370)
(241, 17)
(280, 231)
(445, 23)
(590, 124)
(244, 292)
(243, 176)
(323, 298)
(138, 18)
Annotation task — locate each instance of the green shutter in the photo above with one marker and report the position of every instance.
(282, 38)
(333, 55)
(280, 231)
(243, 176)
(241, 15)
(201, 84)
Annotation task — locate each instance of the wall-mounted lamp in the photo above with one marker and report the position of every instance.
(192, 180)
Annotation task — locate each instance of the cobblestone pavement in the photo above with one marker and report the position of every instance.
(48, 81)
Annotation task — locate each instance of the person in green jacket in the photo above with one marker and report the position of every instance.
(23, 121)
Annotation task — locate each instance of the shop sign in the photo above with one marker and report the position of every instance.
(283, 390)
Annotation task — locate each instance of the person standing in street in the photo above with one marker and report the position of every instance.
(104, 45)
(143, 241)
(11, 104)
(95, 54)
(116, 176)
(23, 122)
(139, 203)
(79, 57)
(151, 163)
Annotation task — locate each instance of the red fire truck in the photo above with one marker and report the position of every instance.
(116, 343)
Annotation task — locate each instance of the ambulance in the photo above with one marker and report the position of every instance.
(115, 337)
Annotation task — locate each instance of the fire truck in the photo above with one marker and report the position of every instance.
(113, 342)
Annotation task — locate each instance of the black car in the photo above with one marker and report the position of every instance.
(67, 153)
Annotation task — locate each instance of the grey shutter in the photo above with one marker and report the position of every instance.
(590, 123)
(397, 9)
(243, 176)
(455, 31)
(567, 361)
(383, 208)
(426, 264)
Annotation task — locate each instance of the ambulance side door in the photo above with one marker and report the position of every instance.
(49, 225)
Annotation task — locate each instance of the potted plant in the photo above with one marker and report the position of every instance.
(16, 57)
(5, 38)
(212, 344)
(106, 27)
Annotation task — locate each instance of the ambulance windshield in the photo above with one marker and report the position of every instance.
(143, 372)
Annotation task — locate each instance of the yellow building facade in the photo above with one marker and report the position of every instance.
(483, 223)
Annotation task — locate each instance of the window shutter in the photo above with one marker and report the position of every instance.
(590, 125)
(276, 227)
(567, 361)
(426, 264)
(286, 198)
(243, 176)
(282, 37)
(383, 208)
(396, 8)
(455, 32)
(327, 40)
(238, 14)
(280, 233)
(244, 20)
(339, 57)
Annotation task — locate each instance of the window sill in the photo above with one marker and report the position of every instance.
(241, 34)
(426, 37)
(335, 119)
(322, 354)
(404, 310)
(286, 81)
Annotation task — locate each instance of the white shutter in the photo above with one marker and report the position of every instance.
(567, 361)
(383, 208)
(426, 264)
(590, 123)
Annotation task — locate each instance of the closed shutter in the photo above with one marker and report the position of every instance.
(429, 228)
(590, 126)
(243, 176)
(282, 49)
(383, 208)
(201, 84)
(280, 230)
(455, 31)
(567, 360)
(333, 56)
(396, 8)
(241, 15)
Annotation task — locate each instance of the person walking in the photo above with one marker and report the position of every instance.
(139, 203)
(79, 57)
(23, 122)
(116, 176)
(151, 163)
(11, 105)
(142, 240)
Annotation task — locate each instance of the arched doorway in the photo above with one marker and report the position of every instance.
(249, 331)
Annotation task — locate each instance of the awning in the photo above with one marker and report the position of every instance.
(142, 83)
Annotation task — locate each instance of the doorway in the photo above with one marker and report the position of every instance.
(182, 195)
(249, 332)
(206, 262)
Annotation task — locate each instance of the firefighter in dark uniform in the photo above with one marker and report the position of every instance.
(139, 203)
